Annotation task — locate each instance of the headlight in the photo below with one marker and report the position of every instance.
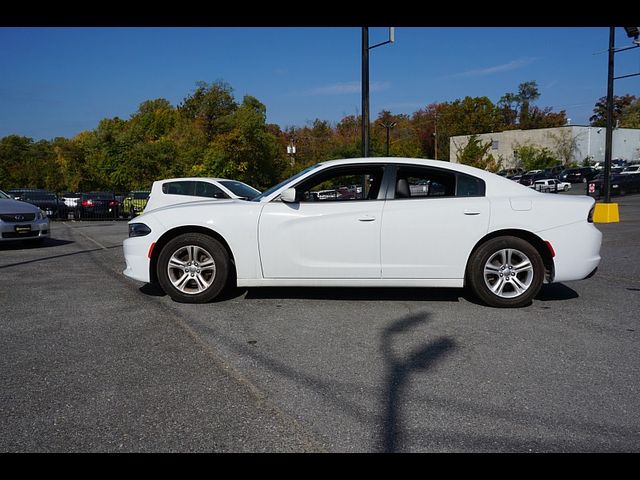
(138, 230)
(42, 215)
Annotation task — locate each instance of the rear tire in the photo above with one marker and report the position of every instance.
(193, 268)
(506, 272)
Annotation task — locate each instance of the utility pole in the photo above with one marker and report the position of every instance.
(365, 91)
(365, 84)
(388, 126)
(609, 133)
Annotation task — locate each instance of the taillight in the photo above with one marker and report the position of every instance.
(551, 250)
(113, 203)
(590, 216)
(87, 203)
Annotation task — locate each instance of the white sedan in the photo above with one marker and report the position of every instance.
(550, 185)
(172, 191)
(410, 223)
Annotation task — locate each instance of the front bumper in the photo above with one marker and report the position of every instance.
(37, 229)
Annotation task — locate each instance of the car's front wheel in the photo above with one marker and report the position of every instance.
(193, 268)
(506, 272)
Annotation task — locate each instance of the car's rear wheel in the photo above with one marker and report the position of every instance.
(193, 268)
(506, 272)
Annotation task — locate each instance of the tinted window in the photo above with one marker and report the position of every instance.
(179, 188)
(360, 182)
(416, 182)
(240, 189)
(206, 189)
(469, 186)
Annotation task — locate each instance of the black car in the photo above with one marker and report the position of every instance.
(47, 201)
(620, 184)
(97, 205)
(530, 178)
(578, 175)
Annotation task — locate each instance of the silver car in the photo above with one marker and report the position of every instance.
(21, 220)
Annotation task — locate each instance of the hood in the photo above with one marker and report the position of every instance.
(16, 206)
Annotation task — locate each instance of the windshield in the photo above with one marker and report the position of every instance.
(240, 189)
(139, 195)
(266, 193)
(39, 196)
(4, 195)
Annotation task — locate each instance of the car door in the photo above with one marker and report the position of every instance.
(331, 231)
(431, 224)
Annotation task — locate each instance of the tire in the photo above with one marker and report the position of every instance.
(193, 268)
(494, 278)
(566, 188)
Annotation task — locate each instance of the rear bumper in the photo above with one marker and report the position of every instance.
(577, 248)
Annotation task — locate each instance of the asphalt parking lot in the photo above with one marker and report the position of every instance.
(95, 362)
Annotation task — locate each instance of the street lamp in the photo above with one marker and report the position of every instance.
(607, 211)
(365, 83)
(388, 126)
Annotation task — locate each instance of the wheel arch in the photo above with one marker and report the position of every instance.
(173, 233)
(537, 243)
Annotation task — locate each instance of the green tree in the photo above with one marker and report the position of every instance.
(476, 154)
(531, 157)
(208, 106)
(247, 151)
(599, 117)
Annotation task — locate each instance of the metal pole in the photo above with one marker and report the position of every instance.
(609, 133)
(388, 130)
(435, 136)
(365, 91)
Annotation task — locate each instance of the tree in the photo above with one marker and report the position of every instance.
(527, 93)
(565, 145)
(476, 154)
(599, 117)
(247, 151)
(208, 106)
(630, 117)
(530, 157)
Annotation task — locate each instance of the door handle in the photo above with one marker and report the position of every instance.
(471, 212)
(366, 218)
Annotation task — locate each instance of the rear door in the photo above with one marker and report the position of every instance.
(430, 228)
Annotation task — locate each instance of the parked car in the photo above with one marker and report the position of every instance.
(510, 172)
(553, 172)
(578, 175)
(529, 178)
(551, 185)
(172, 191)
(620, 184)
(70, 199)
(631, 170)
(470, 227)
(135, 202)
(21, 221)
(47, 201)
(97, 205)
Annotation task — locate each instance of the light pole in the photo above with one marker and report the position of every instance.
(365, 83)
(388, 126)
(608, 212)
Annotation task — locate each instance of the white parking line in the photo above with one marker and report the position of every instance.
(85, 236)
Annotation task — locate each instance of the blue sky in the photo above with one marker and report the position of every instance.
(61, 81)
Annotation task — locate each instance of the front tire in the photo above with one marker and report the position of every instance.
(506, 272)
(193, 268)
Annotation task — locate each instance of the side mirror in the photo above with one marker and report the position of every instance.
(289, 195)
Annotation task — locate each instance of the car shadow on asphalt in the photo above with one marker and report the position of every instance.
(556, 292)
(359, 293)
(34, 245)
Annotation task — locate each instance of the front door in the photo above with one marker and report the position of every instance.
(331, 231)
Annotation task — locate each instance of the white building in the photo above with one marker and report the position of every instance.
(588, 142)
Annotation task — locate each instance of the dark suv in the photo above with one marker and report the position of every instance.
(578, 175)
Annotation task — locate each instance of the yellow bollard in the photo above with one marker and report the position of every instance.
(606, 213)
